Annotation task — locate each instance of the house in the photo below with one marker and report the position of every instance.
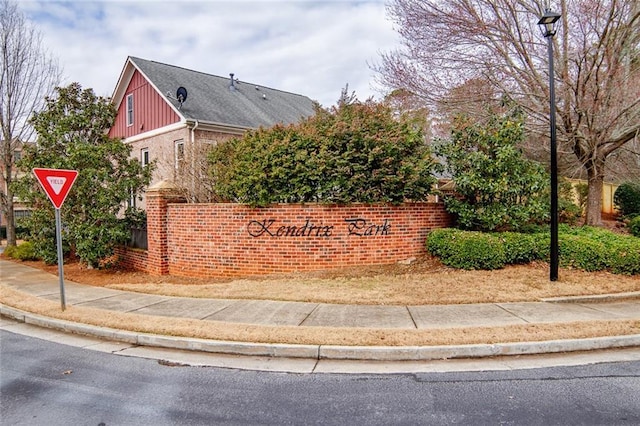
(13, 150)
(168, 113)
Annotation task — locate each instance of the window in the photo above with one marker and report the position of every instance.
(179, 150)
(178, 157)
(130, 110)
(132, 199)
(144, 157)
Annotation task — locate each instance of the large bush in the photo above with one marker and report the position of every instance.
(496, 187)
(72, 134)
(355, 152)
(627, 199)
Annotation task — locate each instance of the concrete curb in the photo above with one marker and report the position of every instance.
(330, 352)
(593, 299)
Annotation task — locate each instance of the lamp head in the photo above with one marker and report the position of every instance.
(547, 23)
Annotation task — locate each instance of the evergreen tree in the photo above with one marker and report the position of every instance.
(496, 187)
(72, 134)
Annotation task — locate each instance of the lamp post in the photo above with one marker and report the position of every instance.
(547, 24)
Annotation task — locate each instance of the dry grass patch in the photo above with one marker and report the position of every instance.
(446, 286)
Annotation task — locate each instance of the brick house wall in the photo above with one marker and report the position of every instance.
(226, 240)
(161, 148)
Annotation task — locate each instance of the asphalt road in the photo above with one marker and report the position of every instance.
(44, 383)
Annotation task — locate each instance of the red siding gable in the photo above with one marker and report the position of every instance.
(150, 111)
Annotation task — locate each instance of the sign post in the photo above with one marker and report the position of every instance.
(57, 183)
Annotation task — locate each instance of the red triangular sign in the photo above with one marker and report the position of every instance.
(56, 183)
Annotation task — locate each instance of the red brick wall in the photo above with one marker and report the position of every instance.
(131, 258)
(213, 240)
(158, 199)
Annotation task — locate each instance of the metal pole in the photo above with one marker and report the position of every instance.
(60, 259)
(553, 273)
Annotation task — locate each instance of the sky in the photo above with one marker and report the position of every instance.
(314, 48)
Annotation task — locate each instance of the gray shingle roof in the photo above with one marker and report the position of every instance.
(211, 100)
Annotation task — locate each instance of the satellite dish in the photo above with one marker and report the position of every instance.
(181, 94)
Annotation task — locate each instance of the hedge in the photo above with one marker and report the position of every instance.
(467, 249)
(586, 248)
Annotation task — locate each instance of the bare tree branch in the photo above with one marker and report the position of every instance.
(448, 43)
(27, 75)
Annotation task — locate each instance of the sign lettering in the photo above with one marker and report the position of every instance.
(358, 227)
(56, 183)
(362, 228)
(265, 227)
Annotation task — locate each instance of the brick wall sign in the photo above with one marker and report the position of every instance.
(226, 240)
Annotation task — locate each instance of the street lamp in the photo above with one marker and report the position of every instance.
(547, 24)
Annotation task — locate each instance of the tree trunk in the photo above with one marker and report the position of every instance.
(595, 176)
(11, 221)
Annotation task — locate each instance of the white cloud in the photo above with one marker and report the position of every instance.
(308, 47)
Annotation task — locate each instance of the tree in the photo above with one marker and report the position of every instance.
(406, 103)
(597, 58)
(72, 134)
(27, 75)
(352, 152)
(496, 187)
(190, 168)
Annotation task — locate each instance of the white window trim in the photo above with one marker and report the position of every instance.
(130, 110)
(178, 159)
(144, 151)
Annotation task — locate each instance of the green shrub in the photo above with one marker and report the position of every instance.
(10, 251)
(24, 251)
(624, 256)
(627, 199)
(594, 249)
(438, 241)
(523, 248)
(634, 226)
(582, 252)
(467, 250)
(568, 211)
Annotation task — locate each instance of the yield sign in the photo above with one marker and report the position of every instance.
(56, 183)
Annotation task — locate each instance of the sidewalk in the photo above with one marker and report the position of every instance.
(298, 314)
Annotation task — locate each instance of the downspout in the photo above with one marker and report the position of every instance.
(193, 161)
